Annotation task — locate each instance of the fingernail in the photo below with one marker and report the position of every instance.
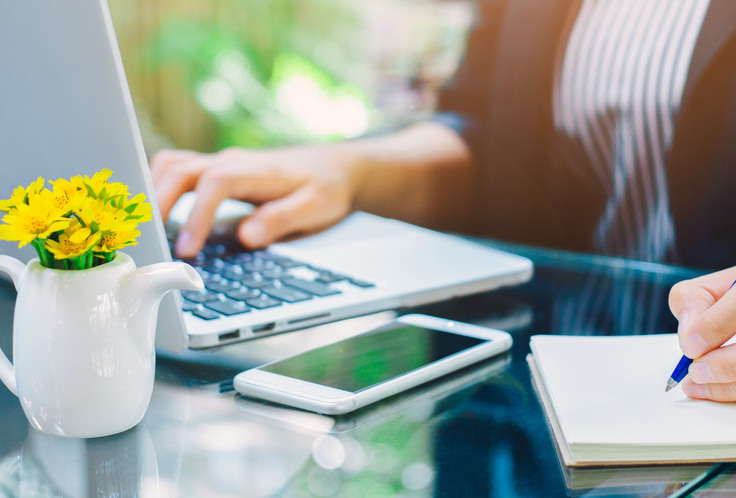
(682, 322)
(254, 234)
(700, 372)
(694, 390)
(694, 346)
(183, 241)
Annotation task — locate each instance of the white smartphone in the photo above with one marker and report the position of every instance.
(354, 372)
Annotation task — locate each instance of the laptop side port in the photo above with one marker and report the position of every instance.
(266, 327)
(229, 336)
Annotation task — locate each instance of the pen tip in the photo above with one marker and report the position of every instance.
(667, 389)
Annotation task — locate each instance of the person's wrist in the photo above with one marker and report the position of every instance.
(353, 160)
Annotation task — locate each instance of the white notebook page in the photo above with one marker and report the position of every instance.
(610, 391)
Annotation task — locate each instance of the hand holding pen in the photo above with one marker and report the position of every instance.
(706, 311)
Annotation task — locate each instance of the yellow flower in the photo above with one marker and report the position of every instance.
(75, 241)
(116, 189)
(99, 179)
(104, 217)
(112, 241)
(19, 195)
(68, 196)
(66, 224)
(137, 209)
(37, 219)
(98, 186)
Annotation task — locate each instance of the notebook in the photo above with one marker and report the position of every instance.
(66, 110)
(605, 401)
(642, 480)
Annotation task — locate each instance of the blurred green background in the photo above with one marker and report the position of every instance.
(207, 74)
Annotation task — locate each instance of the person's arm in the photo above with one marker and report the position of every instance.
(422, 174)
(706, 310)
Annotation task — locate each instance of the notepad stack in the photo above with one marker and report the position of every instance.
(605, 401)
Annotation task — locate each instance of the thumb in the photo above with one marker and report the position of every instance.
(688, 300)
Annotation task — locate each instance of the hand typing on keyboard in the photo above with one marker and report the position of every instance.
(422, 174)
(295, 189)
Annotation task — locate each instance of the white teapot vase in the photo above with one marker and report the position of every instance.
(83, 342)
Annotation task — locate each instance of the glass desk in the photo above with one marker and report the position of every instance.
(480, 432)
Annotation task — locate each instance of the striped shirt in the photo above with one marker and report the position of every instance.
(620, 85)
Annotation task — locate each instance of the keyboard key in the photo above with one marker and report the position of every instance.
(317, 288)
(263, 301)
(222, 285)
(215, 265)
(258, 265)
(329, 277)
(238, 258)
(189, 305)
(287, 294)
(265, 255)
(256, 281)
(243, 293)
(199, 296)
(275, 273)
(228, 306)
(206, 314)
(234, 273)
(215, 250)
(285, 262)
(361, 283)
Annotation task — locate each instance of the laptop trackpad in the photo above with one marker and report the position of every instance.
(355, 228)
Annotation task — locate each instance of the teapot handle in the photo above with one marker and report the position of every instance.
(16, 270)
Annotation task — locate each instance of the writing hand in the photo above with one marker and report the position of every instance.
(706, 310)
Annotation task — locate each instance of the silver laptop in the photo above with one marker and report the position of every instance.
(65, 109)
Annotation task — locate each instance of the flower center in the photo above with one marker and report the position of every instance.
(37, 225)
(61, 200)
(70, 247)
(107, 239)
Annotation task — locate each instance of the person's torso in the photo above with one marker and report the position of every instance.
(616, 98)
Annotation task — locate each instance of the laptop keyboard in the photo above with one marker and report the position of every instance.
(242, 282)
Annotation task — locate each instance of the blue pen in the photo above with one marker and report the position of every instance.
(679, 373)
(682, 367)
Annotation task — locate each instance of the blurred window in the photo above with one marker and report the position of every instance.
(207, 74)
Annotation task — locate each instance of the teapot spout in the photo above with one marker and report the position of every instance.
(141, 292)
(153, 281)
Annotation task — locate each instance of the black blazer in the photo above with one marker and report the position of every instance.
(500, 102)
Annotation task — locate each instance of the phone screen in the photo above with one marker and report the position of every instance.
(368, 359)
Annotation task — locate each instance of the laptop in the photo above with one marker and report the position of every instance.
(66, 110)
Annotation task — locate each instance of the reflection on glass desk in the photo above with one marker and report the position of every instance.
(479, 432)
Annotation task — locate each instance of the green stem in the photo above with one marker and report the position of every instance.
(38, 245)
